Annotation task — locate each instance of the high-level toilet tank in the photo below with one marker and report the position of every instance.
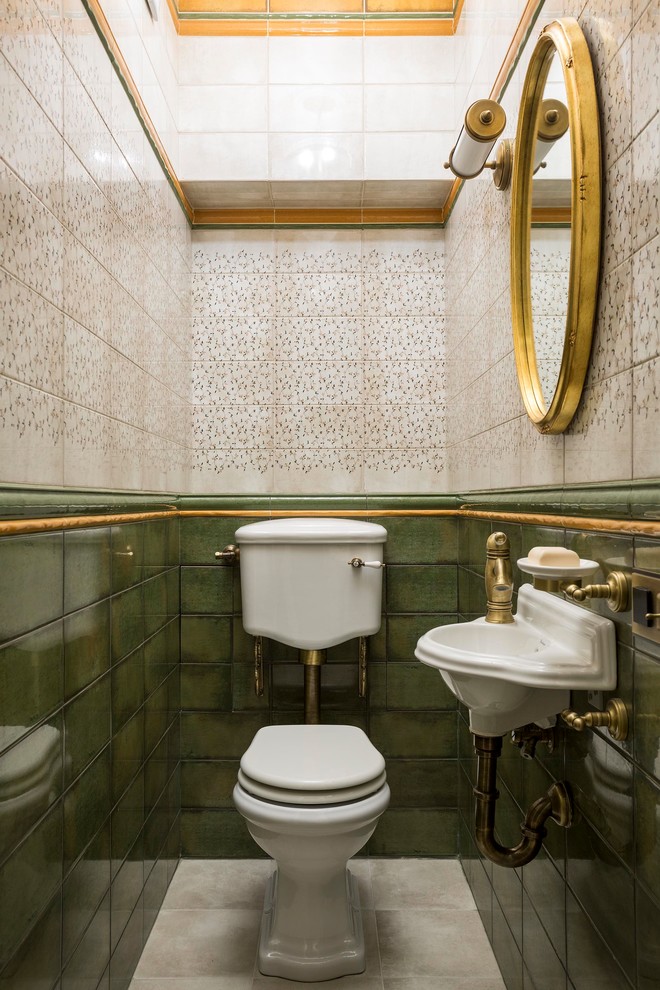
(311, 583)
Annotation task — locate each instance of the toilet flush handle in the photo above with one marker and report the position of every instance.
(358, 562)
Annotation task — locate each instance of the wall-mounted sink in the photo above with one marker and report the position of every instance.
(520, 672)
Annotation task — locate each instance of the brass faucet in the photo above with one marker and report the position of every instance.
(499, 579)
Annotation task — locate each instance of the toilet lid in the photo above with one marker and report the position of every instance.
(313, 758)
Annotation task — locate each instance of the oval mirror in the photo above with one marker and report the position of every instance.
(555, 226)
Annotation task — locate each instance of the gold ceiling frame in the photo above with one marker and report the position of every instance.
(386, 217)
(565, 38)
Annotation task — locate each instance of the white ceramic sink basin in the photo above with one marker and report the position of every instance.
(523, 671)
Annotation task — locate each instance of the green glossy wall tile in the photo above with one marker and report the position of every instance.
(37, 962)
(127, 753)
(207, 590)
(208, 784)
(416, 832)
(420, 540)
(647, 836)
(86, 646)
(127, 622)
(244, 697)
(126, 954)
(589, 961)
(646, 708)
(87, 567)
(417, 687)
(127, 549)
(126, 824)
(201, 538)
(28, 880)
(414, 734)
(86, 807)
(158, 552)
(206, 639)
(31, 680)
(84, 889)
(422, 783)
(92, 954)
(127, 688)
(647, 914)
(31, 582)
(421, 588)
(156, 607)
(213, 834)
(218, 736)
(206, 687)
(161, 655)
(403, 631)
(87, 727)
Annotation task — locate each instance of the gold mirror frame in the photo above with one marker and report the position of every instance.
(566, 38)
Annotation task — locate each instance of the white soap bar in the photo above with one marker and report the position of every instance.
(553, 557)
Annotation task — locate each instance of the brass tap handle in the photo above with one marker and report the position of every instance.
(616, 590)
(614, 719)
(230, 554)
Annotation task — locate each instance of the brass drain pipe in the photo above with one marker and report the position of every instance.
(556, 804)
(312, 660)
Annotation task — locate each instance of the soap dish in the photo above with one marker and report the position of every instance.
(545, 572)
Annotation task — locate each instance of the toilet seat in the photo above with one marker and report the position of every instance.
(311, 765)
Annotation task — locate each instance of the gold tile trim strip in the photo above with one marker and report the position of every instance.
(327, 7)
(551, 214)
(530, 12)
(19, 527)
(632, 527)
(95, 10)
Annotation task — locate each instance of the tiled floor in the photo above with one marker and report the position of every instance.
(421, 926)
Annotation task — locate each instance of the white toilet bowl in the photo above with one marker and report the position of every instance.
(311, 796)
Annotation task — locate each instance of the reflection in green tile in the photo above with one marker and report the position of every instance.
(127, 821)
(28, 880)
(647, 913)
(86, 806)
(92, 955)
(31, 582)
(127, 688)
(127, 753)
(86, 567)
(127, 550)
(647, 834)
(84, 889)
(646, 728)
(31, 680)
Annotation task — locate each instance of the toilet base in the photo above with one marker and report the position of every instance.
(307, 960)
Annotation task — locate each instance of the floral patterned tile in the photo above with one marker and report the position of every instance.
(615, 100)
(86, 211)
(606, 24)
(323, 427)
(232, 471)
(131, 332)
(403, 251)
(34, 152)
(318, 382)
(31, 435)
(405, 381)
(646, 415)
(646, 184)
(241, 382)
(229, 427)
(646, 68)
(336, 338)
(617, 212)
(31, 238)
(422, 470)
(233, 339)
(31, 347)
(611, 351)
(598, 443)
(87, 363)
(549, 292)
(85, 130)
(318, 251)
(414, 294)
(310, 471)
(88, 288)
(241, 295)
(325, 294)
(29, 45)
(541, 456)
(645, 315)
(412, 338)
(234, 251)
(85, 53)
(401, 427)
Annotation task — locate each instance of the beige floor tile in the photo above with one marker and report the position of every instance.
(419, 883)
(445, 983)
(433, 943)
(361, 982)
(197, 943)
(219, 883)
(199, 983)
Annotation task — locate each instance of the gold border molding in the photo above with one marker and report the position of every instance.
(632, 527)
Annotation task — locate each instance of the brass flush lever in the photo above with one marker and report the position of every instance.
(614, 719)
(230, 554)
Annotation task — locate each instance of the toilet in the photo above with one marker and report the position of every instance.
(311, 795)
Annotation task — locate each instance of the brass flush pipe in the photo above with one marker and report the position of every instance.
(556, 804)
(312, 661)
